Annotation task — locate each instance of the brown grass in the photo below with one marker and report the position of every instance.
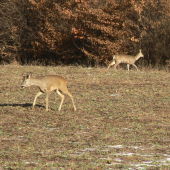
(122, 120)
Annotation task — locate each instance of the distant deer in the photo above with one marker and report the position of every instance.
(123, 58)
(47, 84)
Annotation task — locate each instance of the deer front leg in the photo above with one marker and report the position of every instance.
(128, 67)
(47, 101)
(115, 66)
(38, 94)
(112, 63)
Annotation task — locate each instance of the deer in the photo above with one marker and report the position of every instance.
(128, 59)
(46, 85)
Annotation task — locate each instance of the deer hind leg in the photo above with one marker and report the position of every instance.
(36, 96)
(65, 90)
(62, 99)
(69, 94)
(135, 66)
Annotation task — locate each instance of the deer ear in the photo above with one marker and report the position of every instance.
(28, 76)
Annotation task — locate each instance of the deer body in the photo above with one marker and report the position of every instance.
(47, 84)
(123, 58)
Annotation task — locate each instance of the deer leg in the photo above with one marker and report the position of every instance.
(69, 94)
(38, 94)
(116, 66)
(112, 63)
(135, 66)
(47, 100)
(128, 67)
(65, 90)
(62, 99)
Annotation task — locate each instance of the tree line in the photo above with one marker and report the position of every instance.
(85, 32)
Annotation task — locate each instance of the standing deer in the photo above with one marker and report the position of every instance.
(123, 58)
(47, 84)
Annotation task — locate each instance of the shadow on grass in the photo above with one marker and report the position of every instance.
(25, 105)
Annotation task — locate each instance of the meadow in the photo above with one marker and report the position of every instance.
(122, 120)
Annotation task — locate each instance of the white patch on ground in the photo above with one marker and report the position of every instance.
(117, 157)
(115, 95)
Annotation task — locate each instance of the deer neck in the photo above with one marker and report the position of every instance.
(138, 56)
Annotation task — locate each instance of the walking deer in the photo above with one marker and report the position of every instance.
(47, 84)
(123, 58)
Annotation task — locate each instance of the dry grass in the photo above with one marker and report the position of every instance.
(122, 120)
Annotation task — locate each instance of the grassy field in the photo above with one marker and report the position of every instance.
(122, 120)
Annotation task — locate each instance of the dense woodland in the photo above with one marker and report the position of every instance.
(85, 32)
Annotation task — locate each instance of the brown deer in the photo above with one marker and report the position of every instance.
(123, 58)
(47, 84)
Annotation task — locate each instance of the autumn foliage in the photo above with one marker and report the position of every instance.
(86, 32)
